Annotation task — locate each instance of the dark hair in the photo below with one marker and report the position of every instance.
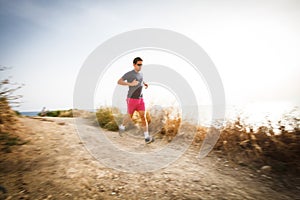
(136, 60)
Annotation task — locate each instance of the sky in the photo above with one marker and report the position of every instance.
(254, 45)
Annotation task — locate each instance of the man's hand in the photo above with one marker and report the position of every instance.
(133, 83)
(146, 85)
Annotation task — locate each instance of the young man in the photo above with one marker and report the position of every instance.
(135, 102)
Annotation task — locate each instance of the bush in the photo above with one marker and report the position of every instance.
(66, 113)
(241, 144)
(58, 113)
(170, 123)
(106, 118)
(17, 113)
(111, 126)
(8, 117)
(54, 113)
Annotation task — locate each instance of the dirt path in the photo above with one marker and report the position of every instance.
(56, 165)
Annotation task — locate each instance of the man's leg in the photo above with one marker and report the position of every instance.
(142, 114)
(141, 109)
(127, 119)
(122, 126)
(148, 138)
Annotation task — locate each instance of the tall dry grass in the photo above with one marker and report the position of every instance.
(238, 141)
(241, 144)
(9, 127)
(8, 117)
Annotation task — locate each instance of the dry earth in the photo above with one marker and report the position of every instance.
(55, 164)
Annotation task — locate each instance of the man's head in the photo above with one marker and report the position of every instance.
(137, 64)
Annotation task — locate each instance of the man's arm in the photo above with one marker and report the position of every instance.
(122, 82)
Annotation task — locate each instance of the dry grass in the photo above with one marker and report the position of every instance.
(241, 144)
(8, 127)
(108, 118)
(7, 116)
(238, 141)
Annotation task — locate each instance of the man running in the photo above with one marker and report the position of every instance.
(135, 102)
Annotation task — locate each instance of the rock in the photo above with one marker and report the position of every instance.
(265, 176)
(115, 177)
(214, 186)
(72, 170)
(242, 163)
(196, 179)
(101, 189)
(266, 168)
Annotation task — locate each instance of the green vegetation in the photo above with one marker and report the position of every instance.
(108, 117)
(58, 113)
(17, 113)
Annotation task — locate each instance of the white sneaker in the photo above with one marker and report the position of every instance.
(149, 140)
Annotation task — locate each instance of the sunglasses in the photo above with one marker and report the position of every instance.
(139, 65)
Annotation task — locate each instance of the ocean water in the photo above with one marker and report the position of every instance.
(30, 113)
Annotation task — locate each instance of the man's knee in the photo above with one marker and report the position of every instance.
(143, 116)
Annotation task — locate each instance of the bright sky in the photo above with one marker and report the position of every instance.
(255, 45)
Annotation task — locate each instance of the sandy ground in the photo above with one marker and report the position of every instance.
(56, 165)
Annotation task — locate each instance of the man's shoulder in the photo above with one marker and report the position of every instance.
(130, 72)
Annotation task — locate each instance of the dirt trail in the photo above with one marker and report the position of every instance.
(56, 165)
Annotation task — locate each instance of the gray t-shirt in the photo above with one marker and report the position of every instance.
(134, 91)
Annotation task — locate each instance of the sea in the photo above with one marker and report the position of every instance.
(30, 113)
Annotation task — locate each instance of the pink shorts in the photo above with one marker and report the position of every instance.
(135, 105)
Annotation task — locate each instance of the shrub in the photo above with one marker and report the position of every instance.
(57, 113)
(241, 144)
(66, 113)
(106, 118)
(8, 117)
(54, 113)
